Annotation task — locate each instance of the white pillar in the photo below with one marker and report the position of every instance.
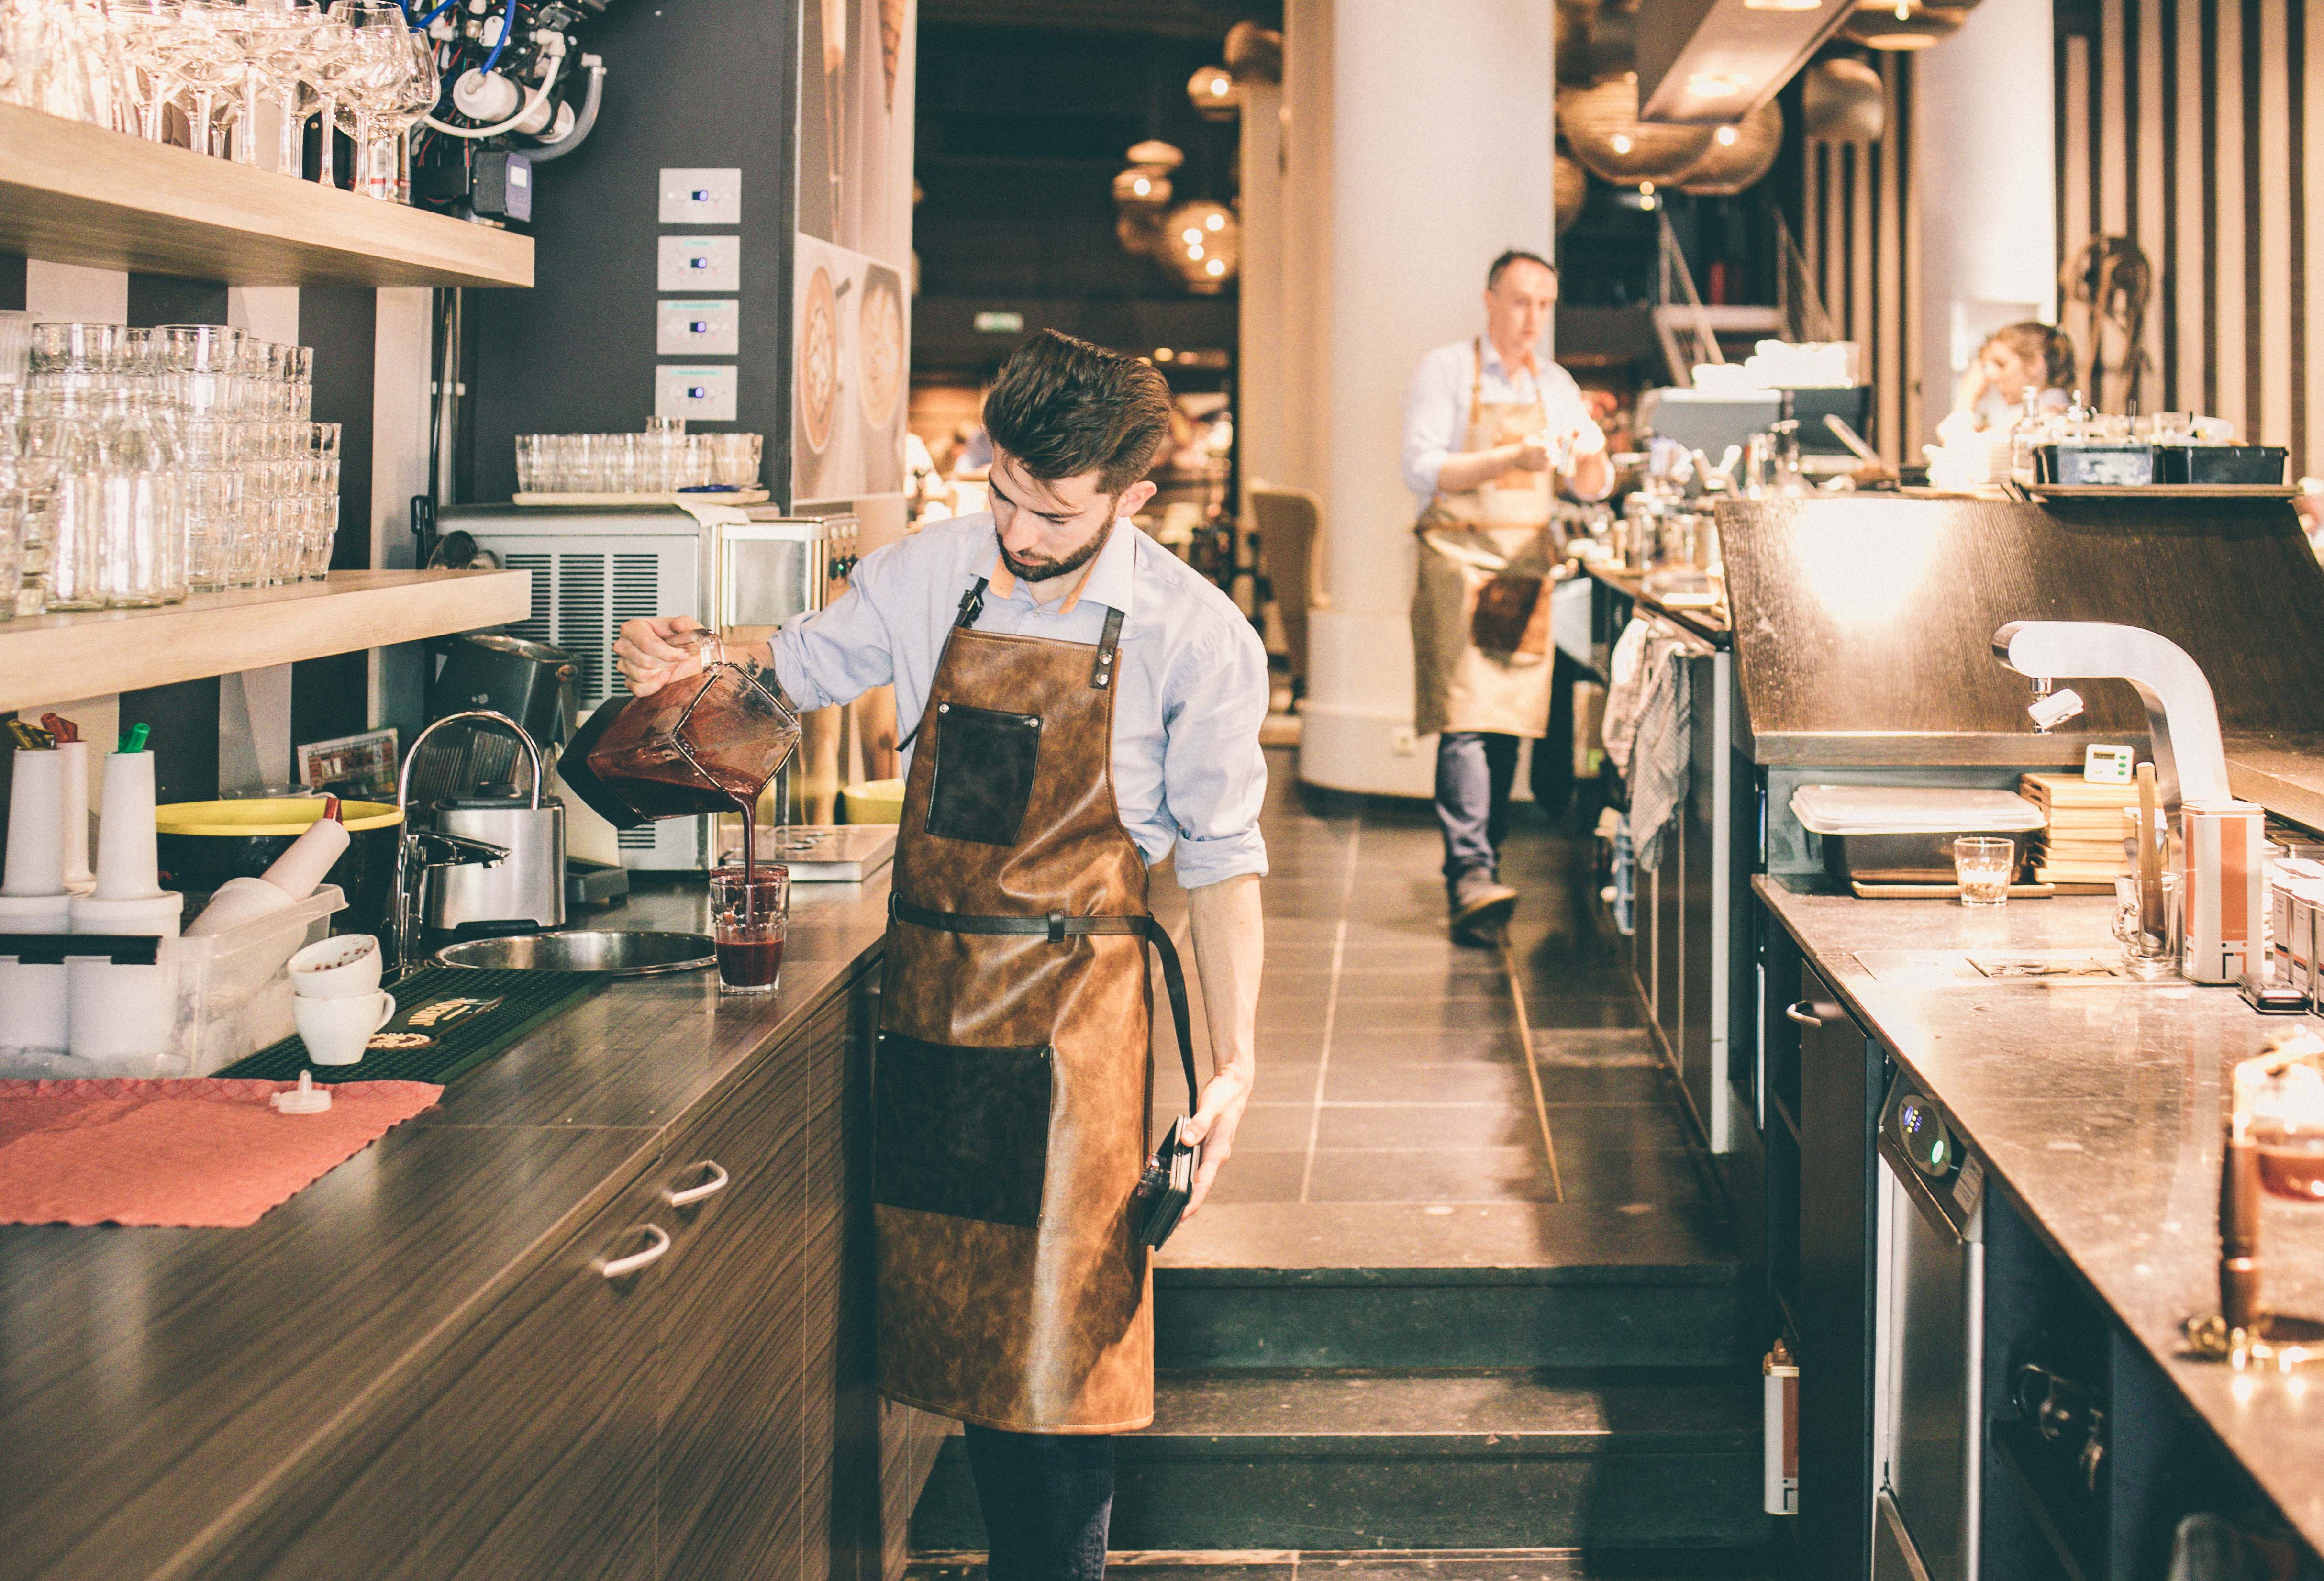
(1984, 182)
(1439, 158)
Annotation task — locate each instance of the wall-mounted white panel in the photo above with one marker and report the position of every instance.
(683, 327)
(701, 395)
(702, 197)
(700, 263)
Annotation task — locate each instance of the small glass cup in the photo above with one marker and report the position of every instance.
(1984, 864)
(2148, 952)
(750, 913)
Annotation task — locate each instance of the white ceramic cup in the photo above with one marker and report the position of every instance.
(345, 967)
(335, 1030)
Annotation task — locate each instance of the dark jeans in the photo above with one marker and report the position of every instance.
(1474, 769)
(1047, 1499)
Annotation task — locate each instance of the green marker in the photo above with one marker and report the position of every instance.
(136, 740)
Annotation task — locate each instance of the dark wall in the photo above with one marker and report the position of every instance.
(330, 697)
(706, 83)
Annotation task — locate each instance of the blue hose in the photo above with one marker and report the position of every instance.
(507, 26)
(427, 21)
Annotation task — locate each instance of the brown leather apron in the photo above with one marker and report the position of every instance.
(1473, 545)
(1012, 1080)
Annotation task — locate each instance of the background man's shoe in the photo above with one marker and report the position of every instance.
(1481, 905)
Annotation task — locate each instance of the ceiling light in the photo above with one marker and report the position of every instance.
(1646, 189)
(1738, 155)
(1215, 222)
(1619, 142)
(1602, 129)
(1216, 268)
(1193, 249)
(1162, 353)
(1213, 94)
(1725, 136)
(1142, 186)
(1783, 4)
(1190, 235)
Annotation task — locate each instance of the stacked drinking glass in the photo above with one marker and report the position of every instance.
(663, 459)
(137, 466)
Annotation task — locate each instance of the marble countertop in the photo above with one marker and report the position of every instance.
(2098, 1108)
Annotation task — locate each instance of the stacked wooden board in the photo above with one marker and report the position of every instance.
(2082, 843)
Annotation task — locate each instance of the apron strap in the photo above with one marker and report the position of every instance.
(1058, 928)
(1108, 640)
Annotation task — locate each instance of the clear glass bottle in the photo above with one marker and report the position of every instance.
(2025, 437)
(57, 464)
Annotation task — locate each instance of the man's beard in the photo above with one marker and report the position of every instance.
(1041, 571)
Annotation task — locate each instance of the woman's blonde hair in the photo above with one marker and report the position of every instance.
(2038, 345)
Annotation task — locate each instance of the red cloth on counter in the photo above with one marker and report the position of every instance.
(202, 1153)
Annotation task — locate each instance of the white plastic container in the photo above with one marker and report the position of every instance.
(233, 990)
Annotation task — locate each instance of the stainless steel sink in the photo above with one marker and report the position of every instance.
(617, 953)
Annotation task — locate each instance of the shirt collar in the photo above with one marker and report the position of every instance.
(1493, 360)
(1110, 579)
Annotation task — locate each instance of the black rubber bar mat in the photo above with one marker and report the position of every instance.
(447, 1021)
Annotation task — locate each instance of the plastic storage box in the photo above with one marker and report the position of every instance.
(1904, 834)
(234, 988)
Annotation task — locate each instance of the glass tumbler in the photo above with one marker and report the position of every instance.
(2150, 945)
(750, 911)
(1984, 864)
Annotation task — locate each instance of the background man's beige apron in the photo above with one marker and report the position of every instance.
(1466, 540)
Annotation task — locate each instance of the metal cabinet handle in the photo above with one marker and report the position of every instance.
(617, 1266)
(1799, 1012)
(710, 1188)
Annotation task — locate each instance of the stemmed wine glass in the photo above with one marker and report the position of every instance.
(370, 82)
(412, 98)
(272, 34)
(209, 58)
(330, 57)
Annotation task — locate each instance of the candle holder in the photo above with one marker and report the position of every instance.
(2243, 1332)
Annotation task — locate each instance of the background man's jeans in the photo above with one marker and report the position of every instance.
(1474, 770)
(1047, 1500)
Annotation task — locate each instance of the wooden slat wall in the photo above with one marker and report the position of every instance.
(1858, 233)
(2196, 128)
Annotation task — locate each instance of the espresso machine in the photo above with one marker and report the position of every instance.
(742, 571)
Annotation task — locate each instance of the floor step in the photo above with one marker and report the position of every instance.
(1314, 1285)
(1405, 1565)
(1599, 1458)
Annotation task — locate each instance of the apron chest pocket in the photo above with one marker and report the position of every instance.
(984, 773)
(961, 1131)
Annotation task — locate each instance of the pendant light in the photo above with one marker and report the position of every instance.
(1139, 187)
(1842, 101)
(1739, 155)
(1214, 94)
(1254, 53)
(1202, 245)
(1572, 190)
(1601, 125)
(1902, 24)
(1156, 156)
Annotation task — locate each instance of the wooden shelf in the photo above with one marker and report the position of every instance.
(62, 657)
(77, 194)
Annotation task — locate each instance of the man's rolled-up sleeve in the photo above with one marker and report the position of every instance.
(1430, 408)
(839, 653)
(1213, 771)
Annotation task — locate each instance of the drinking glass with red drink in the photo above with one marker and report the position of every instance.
(750, 908)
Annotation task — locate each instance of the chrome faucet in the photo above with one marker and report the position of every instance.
(2182, 718)
(419, 851)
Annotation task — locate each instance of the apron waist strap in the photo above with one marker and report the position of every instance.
(1058, 928)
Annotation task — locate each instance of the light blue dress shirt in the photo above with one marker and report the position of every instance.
(1436, 405)
(1190, 689)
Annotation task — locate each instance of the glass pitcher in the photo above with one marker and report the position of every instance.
(707, 744)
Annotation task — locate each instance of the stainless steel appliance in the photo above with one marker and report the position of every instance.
(595, 567)
(1929, 1316)
(496, 862)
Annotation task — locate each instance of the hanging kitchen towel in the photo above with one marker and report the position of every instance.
(206, 1154)
(1660, 757)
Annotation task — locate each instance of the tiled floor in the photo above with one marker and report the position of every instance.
(1393, 1062)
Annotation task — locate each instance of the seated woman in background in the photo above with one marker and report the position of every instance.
(2012, 360)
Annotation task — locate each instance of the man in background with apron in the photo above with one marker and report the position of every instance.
(1085, 705)
(1488, 424)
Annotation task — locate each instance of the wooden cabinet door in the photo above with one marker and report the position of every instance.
(525, 1448)
(745, 1413)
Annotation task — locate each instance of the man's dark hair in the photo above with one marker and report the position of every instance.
(1063, 407)
(1515, 256)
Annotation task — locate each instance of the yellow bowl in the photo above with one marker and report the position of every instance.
(873, 802)
(269, 815)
